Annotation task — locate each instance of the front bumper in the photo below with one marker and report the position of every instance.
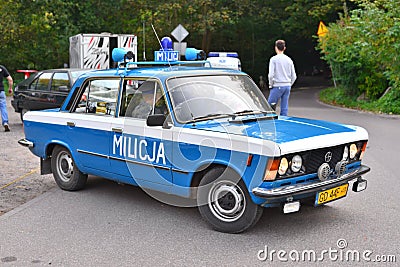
(25, 143)
(305, 188)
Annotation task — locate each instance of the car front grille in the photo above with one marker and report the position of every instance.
(315, 158)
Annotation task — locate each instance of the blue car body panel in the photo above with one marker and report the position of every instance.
(167, 159)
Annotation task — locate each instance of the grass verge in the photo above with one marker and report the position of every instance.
(388, 104)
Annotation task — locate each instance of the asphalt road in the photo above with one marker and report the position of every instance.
(20, 180)
(112, 225)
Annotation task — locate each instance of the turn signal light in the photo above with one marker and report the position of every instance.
(272, 169)
(364, 147)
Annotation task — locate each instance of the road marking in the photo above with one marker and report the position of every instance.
(20, 178)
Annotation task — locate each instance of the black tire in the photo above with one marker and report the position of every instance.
(66, 173)
(224, 202)
(22, 113)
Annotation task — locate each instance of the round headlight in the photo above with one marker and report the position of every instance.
(345, 153)
(283, 166)
(353, 151)
(297, 162)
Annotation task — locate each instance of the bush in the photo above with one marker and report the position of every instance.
(390, 103)
(360, 49)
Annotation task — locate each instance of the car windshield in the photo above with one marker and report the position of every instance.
(207, 97)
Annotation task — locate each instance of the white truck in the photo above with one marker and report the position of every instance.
(93, 51)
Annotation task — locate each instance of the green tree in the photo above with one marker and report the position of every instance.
(36, 33)
(361, 48)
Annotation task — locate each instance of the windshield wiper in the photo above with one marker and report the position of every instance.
(264, 116)
(249, 111)
(213, 115)
(233, 115)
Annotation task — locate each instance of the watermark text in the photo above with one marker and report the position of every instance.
(340, 253)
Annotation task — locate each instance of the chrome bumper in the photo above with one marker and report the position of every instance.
(304, 188)
(25, 143)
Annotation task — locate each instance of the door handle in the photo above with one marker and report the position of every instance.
(71, 123)
(117, 130)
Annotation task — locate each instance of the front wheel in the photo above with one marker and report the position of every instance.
(66, 173)
(224, 202)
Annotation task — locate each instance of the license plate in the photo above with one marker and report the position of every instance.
(331, 194)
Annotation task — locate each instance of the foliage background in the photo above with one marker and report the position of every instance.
(362, 47)
(35, 32)
(363, 50)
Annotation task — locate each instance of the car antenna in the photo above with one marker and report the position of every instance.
(144, 41)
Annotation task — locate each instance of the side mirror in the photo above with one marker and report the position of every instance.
(155, 120)
(63, 88)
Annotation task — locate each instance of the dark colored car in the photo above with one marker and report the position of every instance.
(45, 89)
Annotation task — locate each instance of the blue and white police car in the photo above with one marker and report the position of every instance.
(228, 60)
(206, 134)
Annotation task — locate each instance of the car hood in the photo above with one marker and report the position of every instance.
(290, 133)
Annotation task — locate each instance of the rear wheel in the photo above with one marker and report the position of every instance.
(224, 202)
(66, 173)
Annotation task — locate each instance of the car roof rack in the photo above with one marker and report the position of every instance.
(131, 65)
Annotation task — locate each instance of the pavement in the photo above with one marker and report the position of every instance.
(20, 180)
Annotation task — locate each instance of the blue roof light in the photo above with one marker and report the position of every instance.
(223, 54)
(166, 44)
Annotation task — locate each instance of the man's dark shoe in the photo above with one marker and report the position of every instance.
(6, 127)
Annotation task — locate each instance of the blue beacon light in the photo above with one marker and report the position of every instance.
(194, 54)
(121, 55)
(166, 53)
(166, 43)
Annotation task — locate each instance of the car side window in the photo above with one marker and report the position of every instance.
(98, 97)
(142, 98)
(43, 82)
(60, 79)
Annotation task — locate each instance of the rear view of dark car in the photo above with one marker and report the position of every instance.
(46, 89)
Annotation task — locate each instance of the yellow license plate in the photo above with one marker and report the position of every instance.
(332, 194)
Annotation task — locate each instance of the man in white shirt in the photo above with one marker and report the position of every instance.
(281, 76)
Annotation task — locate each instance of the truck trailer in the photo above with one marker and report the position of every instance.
(93, 51)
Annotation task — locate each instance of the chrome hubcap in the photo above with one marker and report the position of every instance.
(226, 201)
(65, 166)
